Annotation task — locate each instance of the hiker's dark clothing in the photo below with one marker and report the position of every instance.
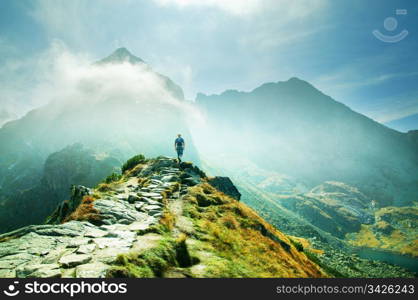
(179, 145)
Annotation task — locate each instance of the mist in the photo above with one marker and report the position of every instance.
(114, 107)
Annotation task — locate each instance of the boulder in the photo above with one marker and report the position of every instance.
(225, 185)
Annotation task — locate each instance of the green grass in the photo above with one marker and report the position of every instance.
(132, 162)
(113, 177)
(169, 253)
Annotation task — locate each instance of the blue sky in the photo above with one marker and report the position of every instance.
(212, 45)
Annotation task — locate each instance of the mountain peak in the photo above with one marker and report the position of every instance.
(121, 55)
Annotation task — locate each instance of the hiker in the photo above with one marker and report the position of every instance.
(179, 146)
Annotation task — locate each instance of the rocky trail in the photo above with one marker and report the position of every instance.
(83, 249)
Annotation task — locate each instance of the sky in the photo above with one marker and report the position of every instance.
(209, 46)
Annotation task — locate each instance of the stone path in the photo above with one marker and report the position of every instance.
(82, 249)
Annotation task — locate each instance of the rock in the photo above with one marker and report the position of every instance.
(77, 242)
(154, 213)
(139, 206)
(153, 202)
(113, 243)
(156, 181)
(190, 181)
(149, 195)
(95, 233)
(225, 185)
(47, 272)
(91, 270)
(169, 178)
(86, 249)
(122, 196)
(115, 210)
(133, 198)
(39, 271)
(152, 207)
(139, 226)
(67, 207)
(54, 255)
(57, 232)
(73, 260)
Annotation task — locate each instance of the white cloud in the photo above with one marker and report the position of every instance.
(287, 9)
(395, 108)
(236, 7)
(70, 80)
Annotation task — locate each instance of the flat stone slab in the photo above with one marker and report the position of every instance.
(91, 270)
(73, 260)
(113, 243)
(86, 249)
(146, 194)
(153, 207)
(95, 233)
(153, 202)
(39, 271)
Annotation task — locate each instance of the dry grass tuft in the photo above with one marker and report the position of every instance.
(85, 211)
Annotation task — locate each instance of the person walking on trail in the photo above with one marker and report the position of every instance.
(179, 145)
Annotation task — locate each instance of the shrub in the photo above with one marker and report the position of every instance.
(297, 245)
(113, 177)
(104, 187)
(132, 162)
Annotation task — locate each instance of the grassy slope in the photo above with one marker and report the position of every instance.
(393, 231)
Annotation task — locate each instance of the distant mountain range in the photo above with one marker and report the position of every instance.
(293, 128)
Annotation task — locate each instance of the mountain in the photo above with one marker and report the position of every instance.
(314, 168)
(160, 219)
(115, 108)
(294, 129)
(122, 55)
(404, 124)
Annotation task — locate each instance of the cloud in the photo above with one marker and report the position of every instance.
(286, 9)
(68, 80)
(402, 107)
(235, 7)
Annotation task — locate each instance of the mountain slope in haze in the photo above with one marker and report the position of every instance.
(74, 164)
(161, 219)
(312, 166)
(6, 116)
(293, 128)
